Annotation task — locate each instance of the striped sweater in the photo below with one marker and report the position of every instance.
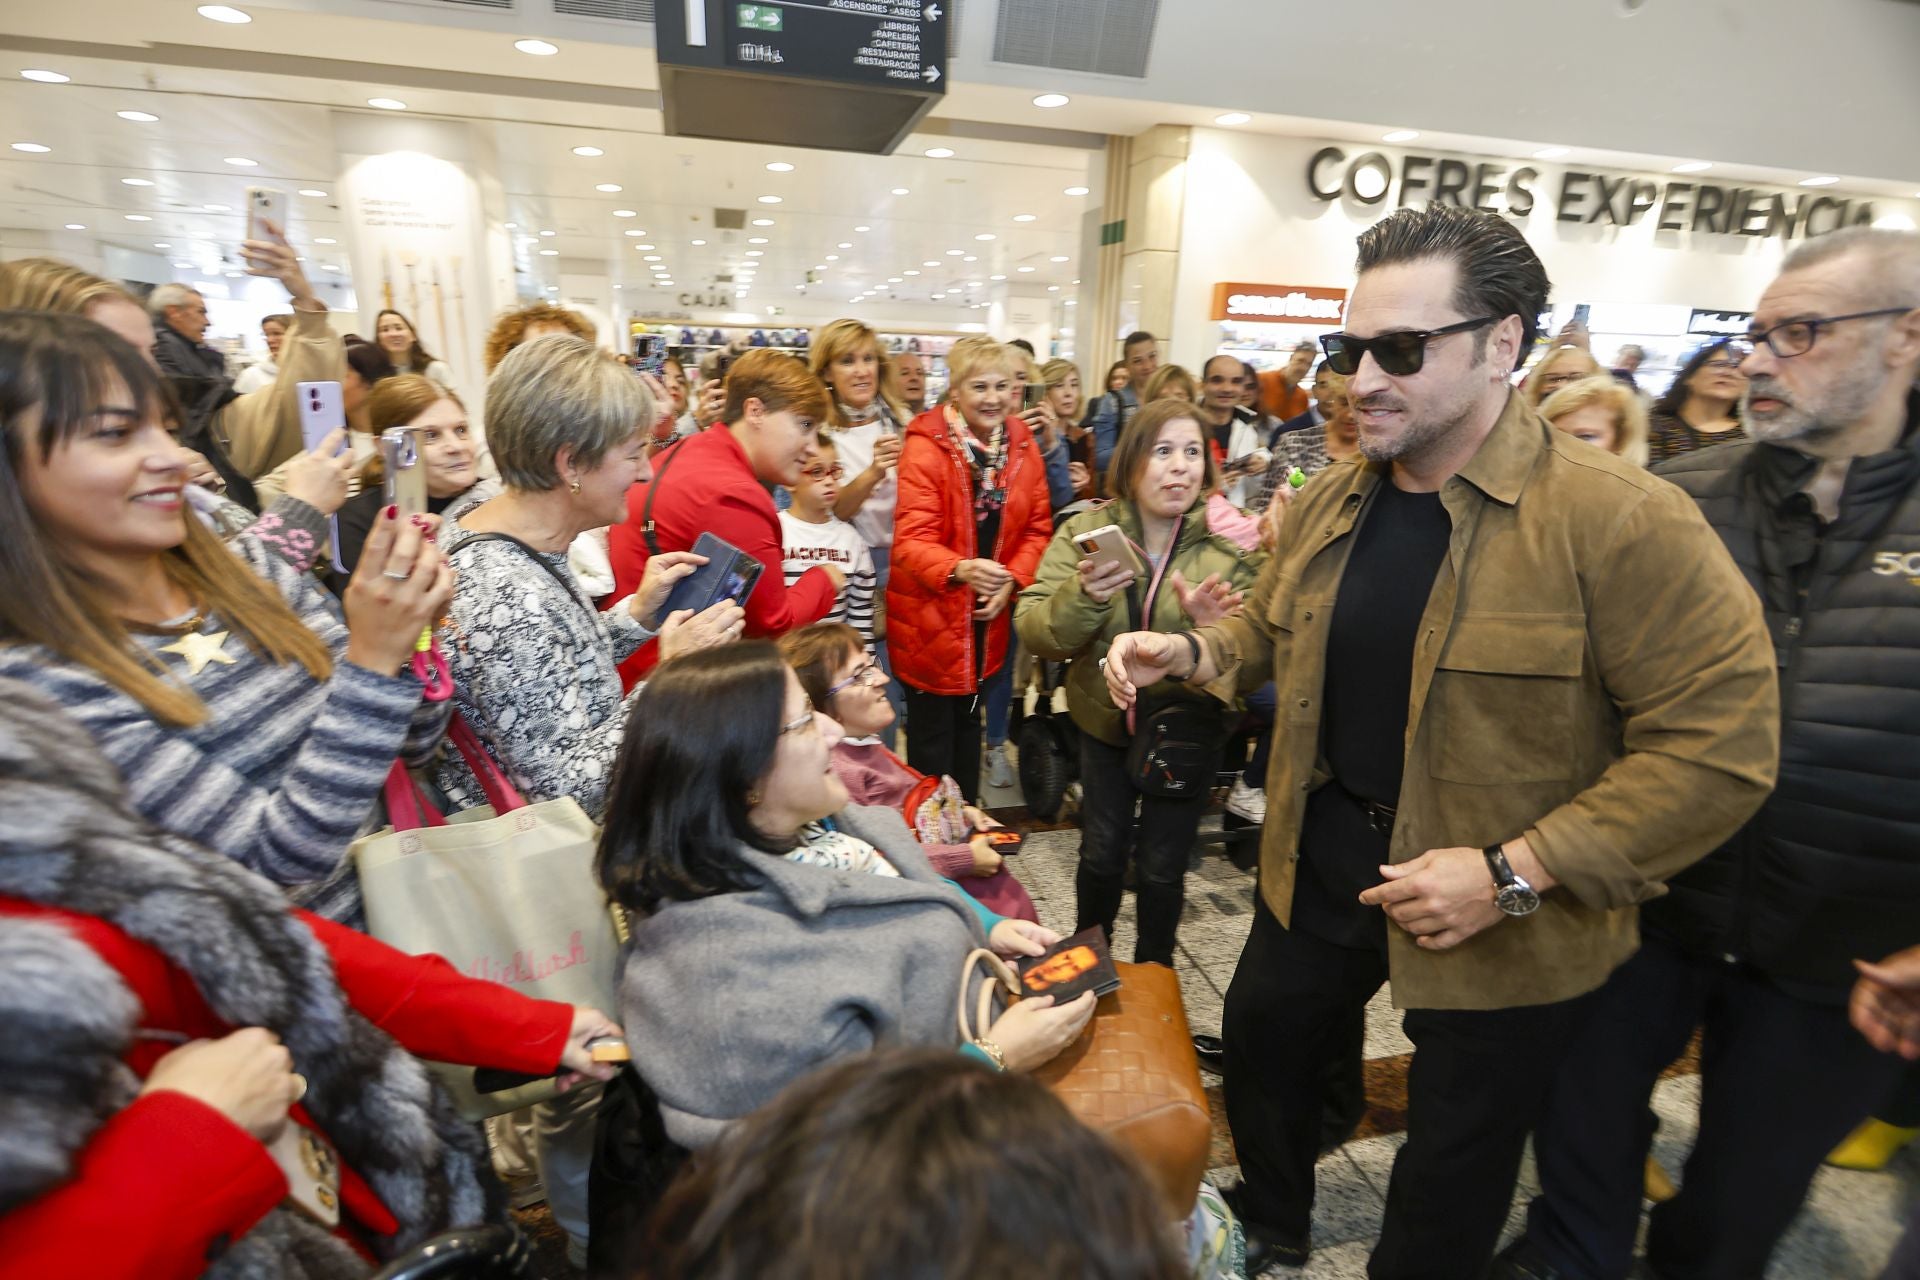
(285, 769)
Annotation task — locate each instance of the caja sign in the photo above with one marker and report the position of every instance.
(1579, 196)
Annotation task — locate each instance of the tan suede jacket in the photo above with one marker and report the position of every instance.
(1591, 672)
(262, 428)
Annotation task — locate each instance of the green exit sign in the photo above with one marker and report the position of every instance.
(760, 17)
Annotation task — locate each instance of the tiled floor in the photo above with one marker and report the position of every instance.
(1845, 1232)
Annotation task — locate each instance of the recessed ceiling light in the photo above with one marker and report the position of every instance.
(1025, 217)
(652, 257)
(76, 226)
(939, 153)
(243, 162)
(224, 13)
(1818, 182)
(699, 242)
(188, 266)
(513, 226)
(540, 49)
(1693, 166)
(969, 258)
(136, 182)
(549, 253)
(217, 208)
(325, 240)
(996, 277)
(1231, 118)
(756, 239)
(833, 257)
(642, 248)
(901, 191)
(863, 228)
(1058, 257)
(616, 288)
(607, 188)
(779, 166)
(910, 273)
(1550, 153)
(138, 117)
(954, 253)
(546, 233)
(387, 104)
(45, 77)
(844, 245)
(820, 266)
(938, 296)
(756, 253)
(34, 148)
(1023, 269)
(986, 235)
(588, 151)
(138, 217)
(315, 192)
(895, 280)
(1053, 288)
(626, 213)
(763, 222)
(1075, 191)
(1400, 135)
(553, 288)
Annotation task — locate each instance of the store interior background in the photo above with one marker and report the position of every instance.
(1178, 161)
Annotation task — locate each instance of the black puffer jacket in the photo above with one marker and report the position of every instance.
(1829, 869)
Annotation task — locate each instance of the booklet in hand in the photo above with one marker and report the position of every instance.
(1071, 966)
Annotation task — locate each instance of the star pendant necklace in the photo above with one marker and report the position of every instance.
(196, 648)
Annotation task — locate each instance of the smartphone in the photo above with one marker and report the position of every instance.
(406, 474)
(264, 205)
(322, 412)
(1035, 393)
(1109, 545)
(1004, 842)
(650, 350)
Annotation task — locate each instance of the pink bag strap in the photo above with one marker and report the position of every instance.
(407, 810)
(499, 792)
(1145, 620)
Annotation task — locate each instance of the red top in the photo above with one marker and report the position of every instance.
(710, 488)
(169, 1178)
(930, 626)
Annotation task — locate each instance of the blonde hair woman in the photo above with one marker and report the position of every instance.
(1604, 412)
(1560, 367)
(1171, 381)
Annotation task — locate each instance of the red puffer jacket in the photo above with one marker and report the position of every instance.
(930, 625)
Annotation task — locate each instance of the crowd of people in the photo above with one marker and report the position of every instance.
(1578, 756)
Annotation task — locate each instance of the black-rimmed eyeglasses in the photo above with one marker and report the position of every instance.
(1796, 337)
(1397, 354)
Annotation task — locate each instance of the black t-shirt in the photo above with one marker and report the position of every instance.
(1397, 552)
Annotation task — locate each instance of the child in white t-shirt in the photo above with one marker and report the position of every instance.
(810, 534)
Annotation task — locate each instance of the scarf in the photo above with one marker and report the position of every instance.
(73, 843)
(876, 411)
(990, 474)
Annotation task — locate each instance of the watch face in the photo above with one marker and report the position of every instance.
(1517, 899)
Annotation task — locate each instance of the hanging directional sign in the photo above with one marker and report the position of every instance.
(892, 51)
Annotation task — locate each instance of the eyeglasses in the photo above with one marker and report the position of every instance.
(1397, 354)
(816, 473)
(870, 675)
(801, 724)
(1796, 337)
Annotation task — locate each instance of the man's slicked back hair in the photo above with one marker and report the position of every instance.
(1500, 274)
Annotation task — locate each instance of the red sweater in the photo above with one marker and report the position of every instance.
(710, 488)
(165, 1179)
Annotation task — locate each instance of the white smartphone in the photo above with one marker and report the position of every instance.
(323, 410)
(264, 205)
(1109, 545)
(406, 475)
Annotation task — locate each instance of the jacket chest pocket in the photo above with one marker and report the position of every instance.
(1501, 706)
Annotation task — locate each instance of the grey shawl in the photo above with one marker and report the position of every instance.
(739, 994)
(70, 841)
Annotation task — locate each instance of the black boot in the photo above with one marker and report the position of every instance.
(1265, 1246)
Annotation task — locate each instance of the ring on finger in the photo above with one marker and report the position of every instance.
(397, 577)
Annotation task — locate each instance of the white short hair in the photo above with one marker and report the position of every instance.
(169, 295)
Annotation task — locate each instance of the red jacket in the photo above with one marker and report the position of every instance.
(930, 625)
(166, 1177)
(710, 488)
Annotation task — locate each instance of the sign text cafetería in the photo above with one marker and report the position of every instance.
(1580, 196)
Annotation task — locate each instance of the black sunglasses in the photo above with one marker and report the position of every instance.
(1398, 354)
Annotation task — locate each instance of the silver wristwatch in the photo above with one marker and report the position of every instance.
(1511, 893)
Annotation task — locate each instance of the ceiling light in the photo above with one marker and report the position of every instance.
(616, 287)
(938, 296)
(224, 13)
(325, 240)
(1071, 303)
(217, 208)
(318, 194)
(45, 77)
(939, 153)
(35, 148)
(910, 273)
(1053, 288)
(607, 188)
(1025, 217)
(1231, 118)
(625, 213)
(161, 244)
(779, 166)
(138, 217)
(1400, 135)
(1550, 153)
(863, 228)
(1075, 191)
(895, 280)
(769, 199)
(1052, 100)
(996, 277)
(901, 191)
(540, 49)
(549, 253)
(243, 162)
(387, 104)
(1023, 269)
(76, 226)
(553, 288)
(546, 233)
(138, 117)
(1818, 182)
(843, 245)
(954, 253)
(183, 266)
(588, 151)
(986, 235)
(820, 266)
(833, 257)
(756, 239)
(652, 257)
(756, 253)
(136, 182)
(969, 258)
(1693, 166)
(1058, 257)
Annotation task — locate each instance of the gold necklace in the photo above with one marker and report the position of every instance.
(198, 650)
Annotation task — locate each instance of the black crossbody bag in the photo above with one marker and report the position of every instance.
(1175, 748)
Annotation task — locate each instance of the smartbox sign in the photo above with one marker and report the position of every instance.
(1279, 303)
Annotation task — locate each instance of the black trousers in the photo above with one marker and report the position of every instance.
(1158, 843)
(1782, 1080)
(943, 737)
(1478, 1081)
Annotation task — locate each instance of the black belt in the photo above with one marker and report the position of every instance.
(1379, 816)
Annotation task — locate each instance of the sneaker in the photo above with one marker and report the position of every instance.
(999, 768)
(1247, 802)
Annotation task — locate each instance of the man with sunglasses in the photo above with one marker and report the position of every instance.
(1758, 941)
(1520, 684)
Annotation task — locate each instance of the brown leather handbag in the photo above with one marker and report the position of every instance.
(1131, 1075)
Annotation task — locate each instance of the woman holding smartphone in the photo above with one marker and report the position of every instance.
(1186, 576)
(447, 453)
